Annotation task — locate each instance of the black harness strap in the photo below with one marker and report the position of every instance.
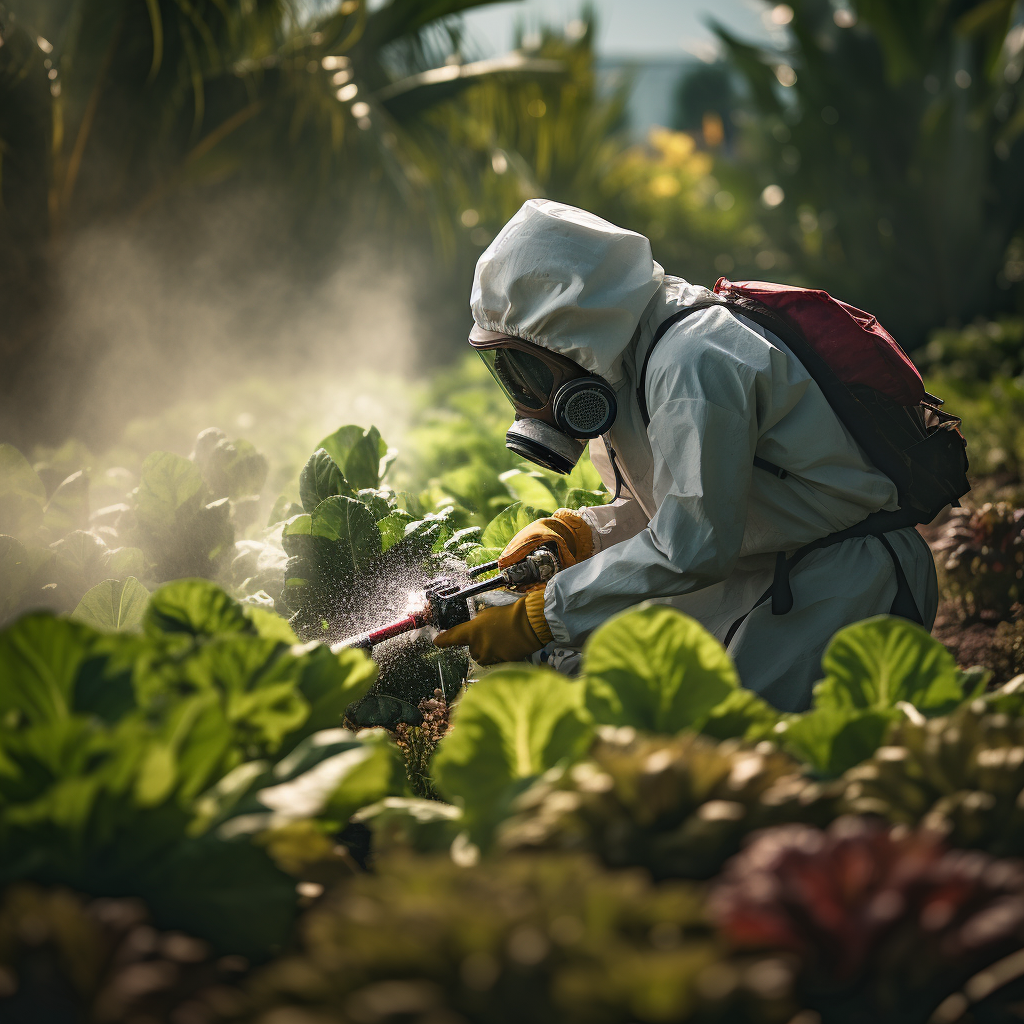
(875, 525)
(781, 594)
(770, 467)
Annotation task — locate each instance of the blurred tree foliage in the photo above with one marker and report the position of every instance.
(705, 101)
(879, 154)
(567, 138)
(889, 140)
(113, 111)
(146, 96)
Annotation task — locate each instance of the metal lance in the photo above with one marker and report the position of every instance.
(445, 604)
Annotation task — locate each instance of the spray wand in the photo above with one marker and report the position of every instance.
(445, 604)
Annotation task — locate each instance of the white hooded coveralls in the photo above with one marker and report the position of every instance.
(697, 525)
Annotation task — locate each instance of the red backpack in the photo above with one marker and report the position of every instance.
(857, 348)
(877, 393)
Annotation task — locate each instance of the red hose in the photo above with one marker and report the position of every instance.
(398, 627)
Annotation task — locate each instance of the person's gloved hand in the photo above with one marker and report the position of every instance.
(510, 632)
(568, 532)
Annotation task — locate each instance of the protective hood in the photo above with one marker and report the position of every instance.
(568, 281)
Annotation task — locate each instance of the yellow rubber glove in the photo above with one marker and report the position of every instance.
(510, 632)
(568, 532)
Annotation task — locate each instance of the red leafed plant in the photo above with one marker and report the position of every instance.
(984, 569)
(887, 923)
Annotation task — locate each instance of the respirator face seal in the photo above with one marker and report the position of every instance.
(558, 404)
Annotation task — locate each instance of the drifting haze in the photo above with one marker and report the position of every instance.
(188, 308)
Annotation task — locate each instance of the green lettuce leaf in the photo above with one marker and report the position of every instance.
(113, 605)
(884, 660)
(871, 668)
(505, 525)
(320, 478)
(656, 669)
(41, 657)
(22, 494)
(170, 487)
(508, 728)
(832, 740)
(530, 489)
(361, 455)
(195, 608)
(349, 523)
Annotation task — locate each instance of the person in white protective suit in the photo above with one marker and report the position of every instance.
(566, 306)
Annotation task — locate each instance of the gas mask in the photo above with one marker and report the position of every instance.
(559, 405)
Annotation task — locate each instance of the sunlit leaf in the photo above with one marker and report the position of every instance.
(22, 495)
(270, 625)
(509, 727)
(884, 660)
(529, 489)
(833, 740)
(40, 659)
(654, 668)
(195, 608)
(576, 498)
(113, 605)
(362, 467)
(349, 522)
(504, 526)
(320, 478)
(392, 528)
(339, 444)
(168, 486)
(742, 715)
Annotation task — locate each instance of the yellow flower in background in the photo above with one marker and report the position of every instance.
(675, 147)
(664, 186)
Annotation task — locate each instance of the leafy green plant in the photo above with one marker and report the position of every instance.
(71, 958)
(977, 370)
(679, 806)
(656, 670)
(982, 351)
(180, 521)
(113, 605)
(984, 562)
(354, 542)
(542, 938)
(876, 671)
(112, 743)
(960, 775)
(122, 115)
(849, 199)
(509, 727)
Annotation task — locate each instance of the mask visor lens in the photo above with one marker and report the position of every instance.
(526, 380)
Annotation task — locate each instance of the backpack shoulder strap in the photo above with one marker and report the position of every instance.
(663, 329)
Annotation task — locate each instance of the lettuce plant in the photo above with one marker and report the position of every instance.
(984, 562)
(115, 748)
(63, 957)
(961, 775)
(676, 805)
(542, 938)
(876, 672)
